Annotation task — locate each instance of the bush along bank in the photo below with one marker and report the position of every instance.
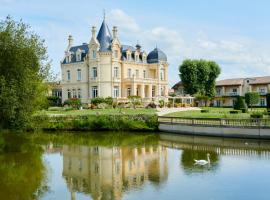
(140, 122)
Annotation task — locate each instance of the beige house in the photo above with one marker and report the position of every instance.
(227, 90)
(105, 67)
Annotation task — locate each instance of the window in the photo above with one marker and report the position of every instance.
(153, 92)
(94, 54)
(162, 91)
(78, 57)
(74, 93)
(94, 72)
(94, 91)
(68, 75)
(144, 74)
(129, 92)
(79, 93)
(115, 53)
(128, 57)
(162, 72)
(218, 91)
(234, 90)
(129, 73)
(262, 102)
(79, 74)
(137, 58)
(115, 72)
(262, 91)
(137, 73)
(69, 94)
(115, 91)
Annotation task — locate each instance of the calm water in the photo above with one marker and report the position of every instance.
(131, 166)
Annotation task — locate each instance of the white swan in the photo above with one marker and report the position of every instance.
(203, 162)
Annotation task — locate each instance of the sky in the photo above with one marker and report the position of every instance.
(234, 33)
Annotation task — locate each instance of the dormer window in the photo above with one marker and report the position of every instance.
(78, 57)
(115, 54)
(94, 54)
(137, 58)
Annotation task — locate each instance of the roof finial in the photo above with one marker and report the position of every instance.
(104, 14)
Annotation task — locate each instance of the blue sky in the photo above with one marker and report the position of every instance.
(234, 33)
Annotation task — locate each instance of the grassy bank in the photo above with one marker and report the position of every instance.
(109, 111)
(215, 113)
(134, 122)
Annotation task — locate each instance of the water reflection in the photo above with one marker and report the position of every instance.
(106, 173)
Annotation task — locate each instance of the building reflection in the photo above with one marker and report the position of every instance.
(105, 173)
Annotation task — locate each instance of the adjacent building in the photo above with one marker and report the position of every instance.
(105, 67)
(228, 89)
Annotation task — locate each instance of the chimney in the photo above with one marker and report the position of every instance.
(114, 32)
(70, 41)
(94, 32)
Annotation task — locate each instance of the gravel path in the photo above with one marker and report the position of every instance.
(165, 111)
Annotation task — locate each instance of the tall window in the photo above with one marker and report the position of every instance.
(116, 91)
(79, 74)
(128, 57)
(137, 73)
(78, 57)
(115, 53)
(162, 72)
(69, 94)
(79, 93)
(94, 91)
(144, 74)
(129, 92)
(137, 58)
(94, 72)
(153, 91)
(262, 102)
(115, 72)
(129, 73)
(74, 93)
(68, 75)
(94, 53)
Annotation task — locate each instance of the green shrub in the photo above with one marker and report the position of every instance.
(53, 101)
(204, 111)
(235, 111)
(108, 100)
(252, 98)
(240, 103)
(268, 101)
(97, 100)
(73, 102)
(68, 108)
(161, 103)
(244, 110)
(256, 115)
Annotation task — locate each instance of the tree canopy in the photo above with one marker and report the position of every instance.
(199, 76)
(24, 67)
(252, 98)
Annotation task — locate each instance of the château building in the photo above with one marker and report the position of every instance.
(106, 68)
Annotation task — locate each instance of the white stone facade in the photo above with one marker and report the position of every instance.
(105, 68)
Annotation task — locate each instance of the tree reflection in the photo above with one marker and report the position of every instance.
(21, 170)
(188, 163)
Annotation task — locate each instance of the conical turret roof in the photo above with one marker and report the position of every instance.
(104, 37)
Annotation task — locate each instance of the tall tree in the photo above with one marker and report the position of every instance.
(252, 98)
(199, 76)
(24, 68)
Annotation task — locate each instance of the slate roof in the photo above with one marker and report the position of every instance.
(83, 47)
(156, 55)
(175, 87)
(104, 37)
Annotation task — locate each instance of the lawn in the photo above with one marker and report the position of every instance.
(213, 113)
(111, 111)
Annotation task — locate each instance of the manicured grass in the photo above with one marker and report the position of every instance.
(112, 111)
(213, 113)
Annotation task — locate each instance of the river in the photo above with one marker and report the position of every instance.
(131, 166)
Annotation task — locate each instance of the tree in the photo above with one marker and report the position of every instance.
(268, 101)
(240, 103)
(252, 98)
(24, 69)
(199, 76)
